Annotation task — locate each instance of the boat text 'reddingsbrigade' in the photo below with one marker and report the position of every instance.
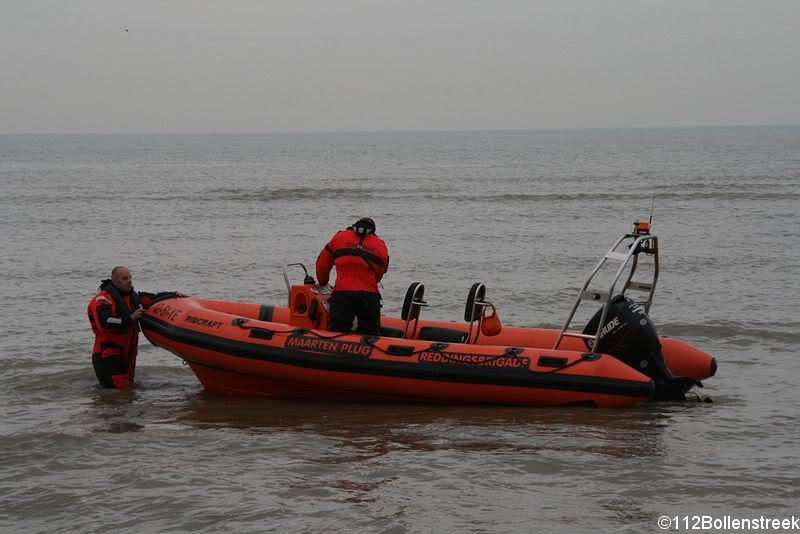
(474, 359)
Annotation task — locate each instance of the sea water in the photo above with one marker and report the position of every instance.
(528, 213)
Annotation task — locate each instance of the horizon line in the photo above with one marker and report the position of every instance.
(409, 130)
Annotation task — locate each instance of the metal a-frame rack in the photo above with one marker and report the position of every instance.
(639, 242)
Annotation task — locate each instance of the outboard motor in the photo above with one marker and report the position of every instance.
(631, 337)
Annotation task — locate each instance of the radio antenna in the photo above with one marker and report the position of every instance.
(652, 207)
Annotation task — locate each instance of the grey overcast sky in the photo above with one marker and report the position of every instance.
(261, 65)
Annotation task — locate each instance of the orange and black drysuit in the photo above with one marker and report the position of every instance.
(116, 335)
(361, 259)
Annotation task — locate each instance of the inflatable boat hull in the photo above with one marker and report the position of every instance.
(253, 349)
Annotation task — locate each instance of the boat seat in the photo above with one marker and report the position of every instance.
(437, 333)
(412, 306)
(388, 331)
(476, 304)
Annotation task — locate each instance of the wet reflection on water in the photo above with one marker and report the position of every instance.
(366, 431)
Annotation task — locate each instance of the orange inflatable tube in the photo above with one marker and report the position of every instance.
(277, 351)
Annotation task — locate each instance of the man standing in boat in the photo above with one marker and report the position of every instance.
(361, 259)
(114, 313)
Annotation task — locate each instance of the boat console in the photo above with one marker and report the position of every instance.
(308, 302)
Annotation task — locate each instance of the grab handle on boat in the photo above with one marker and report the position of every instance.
(286, 279)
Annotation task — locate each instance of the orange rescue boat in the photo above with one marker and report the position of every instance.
(285, 351)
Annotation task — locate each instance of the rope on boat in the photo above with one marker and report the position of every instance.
(438, 347)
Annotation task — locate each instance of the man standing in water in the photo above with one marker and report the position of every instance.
(361, 259)
(114, 313)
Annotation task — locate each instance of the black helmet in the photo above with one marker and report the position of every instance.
(364, 226)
